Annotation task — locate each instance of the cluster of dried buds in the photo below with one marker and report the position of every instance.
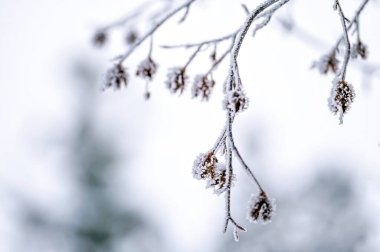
(117, 76)
(177, 80)
(100, 38)
(207, 167)
(342, 93)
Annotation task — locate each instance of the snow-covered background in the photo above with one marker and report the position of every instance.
(85, 170)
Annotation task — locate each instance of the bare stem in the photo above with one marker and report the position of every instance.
(221, 58)
(123, 57)
(246, 168)
(355, 17)
(347, 41)
(193, 56)
(126, 19)
(211, 41)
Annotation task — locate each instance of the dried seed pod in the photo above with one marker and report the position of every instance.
(116, 77)
(176, 79)
(327, 63)
(203, 86)
(100, 38)
(147, 69)
(261, 209)
(342, 96)
(236, 101)
(207, 167)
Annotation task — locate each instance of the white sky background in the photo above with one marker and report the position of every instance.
(39, 39)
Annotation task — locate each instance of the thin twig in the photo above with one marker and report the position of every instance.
(355, 17)
(126, 19)
(123, 57)
(216, 40)
(193, 56)
(247, 169)
(348, 45)
(221, 58)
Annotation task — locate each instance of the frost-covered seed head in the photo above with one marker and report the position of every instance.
(359, 49)
(342, 96)
(203, 86)
(116, 77)
(326, 64)
(261, 208)
(176, 79)
(236, 101)
(207, 167)
(147, 69)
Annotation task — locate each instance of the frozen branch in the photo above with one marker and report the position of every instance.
(216, 165)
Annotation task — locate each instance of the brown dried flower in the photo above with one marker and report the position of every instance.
(261, 209)
(147, 69)
(116, 77)
(342, 96)
(207, 167)
(203, 86)
(327, 63)
(176, 79)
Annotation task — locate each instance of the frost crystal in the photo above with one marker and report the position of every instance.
(147, 69)
(176, 80)
(116, 77)
(236, 101)
(261, 208)
(236, 236)
(342, 96)
(203, 86)
(207, 167)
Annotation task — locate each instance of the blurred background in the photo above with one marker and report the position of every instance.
(85, 170)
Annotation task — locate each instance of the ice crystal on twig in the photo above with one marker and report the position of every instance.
(203, 85)
(147, 69)
(176, 79)
(116, 77)
(261, 209)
